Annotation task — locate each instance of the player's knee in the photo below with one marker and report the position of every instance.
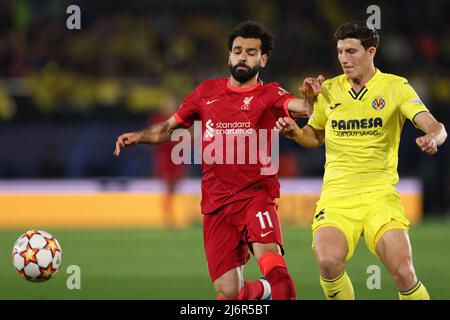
(330, 266)
(404, 273)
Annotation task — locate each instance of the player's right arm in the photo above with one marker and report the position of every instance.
(157, 133)
(161, 132)
(307, 136)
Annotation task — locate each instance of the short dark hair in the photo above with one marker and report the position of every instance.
(358, 30)
(252, 29)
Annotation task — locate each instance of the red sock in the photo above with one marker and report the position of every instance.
(281, 283)
(274, 268)
(252, 290)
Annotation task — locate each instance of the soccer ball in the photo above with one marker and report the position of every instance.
(37, 255)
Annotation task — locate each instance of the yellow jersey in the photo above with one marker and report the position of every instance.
(362, 132)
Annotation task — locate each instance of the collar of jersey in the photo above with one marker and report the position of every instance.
(253, 87)
(359, 95)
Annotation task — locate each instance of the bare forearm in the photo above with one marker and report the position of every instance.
(431, 127)
(308, 107)
(301, 108)
(438, 133)
(307, 138)
(157, 133)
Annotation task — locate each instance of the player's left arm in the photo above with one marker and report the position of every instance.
(303, 108)
(435, 134)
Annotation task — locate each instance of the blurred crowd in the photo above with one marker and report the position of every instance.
(128, 54)
(130, 57)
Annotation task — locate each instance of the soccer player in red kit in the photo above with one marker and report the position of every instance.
(239, 204)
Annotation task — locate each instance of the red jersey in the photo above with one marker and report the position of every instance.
(228, 111)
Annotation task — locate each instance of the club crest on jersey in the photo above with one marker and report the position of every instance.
(378, 103)
(209, 129)
(281, 91)
(246, 105)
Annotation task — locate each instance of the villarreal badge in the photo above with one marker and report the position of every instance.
(378, 103)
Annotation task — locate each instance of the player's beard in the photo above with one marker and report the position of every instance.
(243, 75)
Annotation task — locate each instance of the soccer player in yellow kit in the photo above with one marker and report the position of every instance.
(359, 115)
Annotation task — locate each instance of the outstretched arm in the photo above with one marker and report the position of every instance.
(303, 108)
(307, 136)
(157, 133)
(435, 134)
(299, 108)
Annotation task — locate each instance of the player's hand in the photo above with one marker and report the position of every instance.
(427, 144)
(311, 86)
(125, 140)
(287, 127)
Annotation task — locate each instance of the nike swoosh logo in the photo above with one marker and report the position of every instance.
(265, 234)
(211, 101)
(335, 106)
(333, 295)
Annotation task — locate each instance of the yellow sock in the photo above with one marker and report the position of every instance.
(338, 289)
(419, 292)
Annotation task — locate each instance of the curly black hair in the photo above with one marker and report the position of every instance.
(252, 29)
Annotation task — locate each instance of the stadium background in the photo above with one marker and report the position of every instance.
(66, 95)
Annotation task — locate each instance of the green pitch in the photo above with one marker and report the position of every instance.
(157, 264)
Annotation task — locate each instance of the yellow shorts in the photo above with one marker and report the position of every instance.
(370, 215)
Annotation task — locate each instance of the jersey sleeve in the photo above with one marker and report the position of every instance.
(189, 110)
(410, 104)
(281, 100)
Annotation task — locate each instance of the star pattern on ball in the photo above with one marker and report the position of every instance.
(31, 233)
(29, 255)
(32, 251)
(52, 246)
(46, 272)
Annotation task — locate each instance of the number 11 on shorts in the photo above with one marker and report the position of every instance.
(259, 215)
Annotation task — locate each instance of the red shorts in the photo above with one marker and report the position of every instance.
(229, 232)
